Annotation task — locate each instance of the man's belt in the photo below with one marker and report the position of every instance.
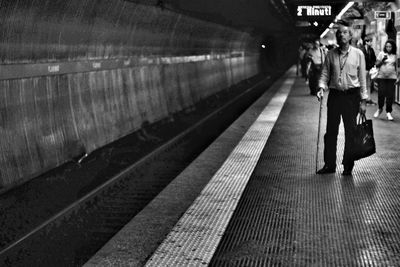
(350, 91)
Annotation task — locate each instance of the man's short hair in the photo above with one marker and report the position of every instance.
(345, 24)
(367, 39)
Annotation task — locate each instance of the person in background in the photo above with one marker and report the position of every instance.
(316, 57)
(344, 72)
(387, 78)
(370, 59)
(300, 64)
(304, 62)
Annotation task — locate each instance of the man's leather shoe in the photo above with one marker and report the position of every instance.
(326, 169)
(346, 172)
(347, 169)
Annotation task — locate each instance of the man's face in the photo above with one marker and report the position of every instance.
(343, 35)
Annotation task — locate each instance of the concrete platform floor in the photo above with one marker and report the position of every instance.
(289, 216)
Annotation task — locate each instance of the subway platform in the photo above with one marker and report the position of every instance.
(253, 199)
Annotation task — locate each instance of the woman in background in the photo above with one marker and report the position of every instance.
(387, 78)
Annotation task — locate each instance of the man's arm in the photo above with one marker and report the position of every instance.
(362, 77)
(363, 84)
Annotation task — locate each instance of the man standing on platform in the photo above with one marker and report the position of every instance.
(344, 75)
(370, 59)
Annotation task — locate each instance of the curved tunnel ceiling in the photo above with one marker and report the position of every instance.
(260, 16)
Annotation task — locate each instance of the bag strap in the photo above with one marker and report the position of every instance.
(361, 118)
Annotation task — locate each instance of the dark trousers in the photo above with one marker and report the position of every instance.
(303, 65)
(370, 83)
(345, 106)
(386, 92)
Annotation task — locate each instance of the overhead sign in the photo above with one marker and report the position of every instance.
(382, 15)
(306, 11)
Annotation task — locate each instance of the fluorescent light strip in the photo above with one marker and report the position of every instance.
(325, 32)
(349, 4)
(338, 17)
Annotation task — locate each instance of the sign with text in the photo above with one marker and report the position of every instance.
(382, 15)
(314, 11)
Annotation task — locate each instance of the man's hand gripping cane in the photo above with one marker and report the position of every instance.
(320, 94)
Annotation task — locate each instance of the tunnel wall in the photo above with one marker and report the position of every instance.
(76, 75)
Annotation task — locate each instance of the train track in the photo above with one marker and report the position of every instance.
(71, 236)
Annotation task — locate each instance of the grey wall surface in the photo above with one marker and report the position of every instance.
(82, 73)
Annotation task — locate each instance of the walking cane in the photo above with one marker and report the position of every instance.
(319, 126)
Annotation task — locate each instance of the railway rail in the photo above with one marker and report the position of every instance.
(73, 233)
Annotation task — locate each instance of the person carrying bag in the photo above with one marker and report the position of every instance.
(344, 75)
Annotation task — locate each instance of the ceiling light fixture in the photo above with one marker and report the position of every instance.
(338, 17)
(349, 4)
(324, 33)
